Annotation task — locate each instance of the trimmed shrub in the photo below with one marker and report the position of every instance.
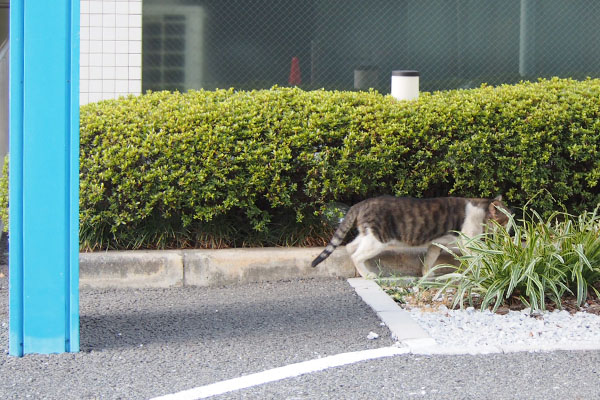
(244, 168)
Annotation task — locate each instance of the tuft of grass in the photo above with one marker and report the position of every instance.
(532, 259)
(399, 288)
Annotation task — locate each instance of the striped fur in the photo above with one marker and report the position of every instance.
(404, 221)
(339, 235)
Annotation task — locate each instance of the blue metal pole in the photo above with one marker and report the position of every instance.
(73, 286)
(44, 177)
(15, 182)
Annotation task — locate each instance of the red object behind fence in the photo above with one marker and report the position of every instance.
(295, 75)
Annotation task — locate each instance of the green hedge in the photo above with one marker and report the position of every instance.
(238, 168)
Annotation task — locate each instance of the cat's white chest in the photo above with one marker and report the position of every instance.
(474, 217)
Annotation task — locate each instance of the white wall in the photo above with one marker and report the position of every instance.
(111, 49)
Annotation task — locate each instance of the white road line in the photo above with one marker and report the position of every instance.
(288, 371)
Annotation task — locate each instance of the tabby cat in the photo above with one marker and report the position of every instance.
(386, 222)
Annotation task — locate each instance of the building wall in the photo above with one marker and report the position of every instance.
(111, 49)
(250, 44)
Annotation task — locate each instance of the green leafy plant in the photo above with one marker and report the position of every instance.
(399, 288)
(533, 259)
(233, 168)
(4, 194)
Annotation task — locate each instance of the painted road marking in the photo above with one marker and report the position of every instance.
(288, 371)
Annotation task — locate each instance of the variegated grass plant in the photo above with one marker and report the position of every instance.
(532, 259)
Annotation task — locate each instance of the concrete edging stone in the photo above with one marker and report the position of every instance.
(175, 268)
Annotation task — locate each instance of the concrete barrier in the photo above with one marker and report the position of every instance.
(173, 268)
(131, 269)
(223, 267)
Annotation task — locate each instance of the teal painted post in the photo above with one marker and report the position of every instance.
(44, 177)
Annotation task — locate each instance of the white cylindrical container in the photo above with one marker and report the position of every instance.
(405, 85)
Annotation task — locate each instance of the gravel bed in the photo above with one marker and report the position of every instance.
(474, 328)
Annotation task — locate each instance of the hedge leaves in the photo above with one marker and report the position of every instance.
(238, 168)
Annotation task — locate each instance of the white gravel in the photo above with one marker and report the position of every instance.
(475, 331)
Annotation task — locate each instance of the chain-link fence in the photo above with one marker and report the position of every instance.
(347, 44)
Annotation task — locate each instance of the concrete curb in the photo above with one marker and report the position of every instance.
(404, 329)
(131, 269)
(175, 268)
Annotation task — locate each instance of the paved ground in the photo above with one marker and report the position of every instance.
(557, 375)
(138, 344)
(144, 343)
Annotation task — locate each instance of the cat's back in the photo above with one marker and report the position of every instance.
(410, 220)
(414, 205)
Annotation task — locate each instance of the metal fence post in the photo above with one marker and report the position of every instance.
(527, 38)
(44, 177)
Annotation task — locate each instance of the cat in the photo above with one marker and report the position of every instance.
(385, 222)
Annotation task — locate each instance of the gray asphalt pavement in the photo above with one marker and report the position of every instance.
(535, 376)
(138, 344)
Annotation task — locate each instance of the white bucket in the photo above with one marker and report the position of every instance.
(405, 85)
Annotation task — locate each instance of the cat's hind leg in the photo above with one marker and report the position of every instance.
(364, 249)
(433, 252)
(353, 245)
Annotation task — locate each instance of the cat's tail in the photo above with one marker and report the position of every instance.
(338, 236)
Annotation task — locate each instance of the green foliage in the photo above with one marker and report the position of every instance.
(238, 168)
(542, 260)
(4, 194)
